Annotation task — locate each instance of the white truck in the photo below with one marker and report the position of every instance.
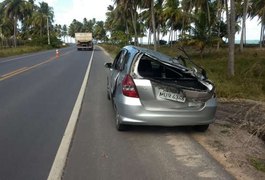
(84, 41)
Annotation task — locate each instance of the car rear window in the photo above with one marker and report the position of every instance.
(148, 67)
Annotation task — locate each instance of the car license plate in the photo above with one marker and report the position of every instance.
(171, 96)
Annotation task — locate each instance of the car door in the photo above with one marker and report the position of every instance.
(117, 67)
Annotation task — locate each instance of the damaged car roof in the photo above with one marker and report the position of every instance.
(153, 54)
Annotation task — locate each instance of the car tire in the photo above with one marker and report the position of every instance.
(108, 96)
(119, 126)
(201, 128)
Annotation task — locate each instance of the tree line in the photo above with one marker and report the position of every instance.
(36, 24)
(199, 23)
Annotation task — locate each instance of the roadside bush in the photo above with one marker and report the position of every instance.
(43, 41)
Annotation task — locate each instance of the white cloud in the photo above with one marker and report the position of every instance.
(252, 30)
(67, 10)
(90, 9)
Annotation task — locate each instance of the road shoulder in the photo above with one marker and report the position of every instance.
(233, 140)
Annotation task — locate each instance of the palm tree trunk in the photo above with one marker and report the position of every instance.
(169, 37)
(134, 22)
(208, 12)
(149, 37)
(2, 37)
(182, 31)
(261, 36)
(153, 23)
(15, 32)
(243, 31)
(158, 35)
(231, 36)
(127, 31)
(219, 26)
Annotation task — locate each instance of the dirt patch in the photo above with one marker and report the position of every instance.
(236, 139)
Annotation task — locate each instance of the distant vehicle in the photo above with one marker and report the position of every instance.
(84, 41)
(150, 88)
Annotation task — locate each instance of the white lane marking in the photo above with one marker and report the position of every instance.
(56, 171)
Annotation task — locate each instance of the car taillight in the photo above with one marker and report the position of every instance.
(128, 87)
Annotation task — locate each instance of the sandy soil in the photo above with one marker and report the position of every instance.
(237, 137)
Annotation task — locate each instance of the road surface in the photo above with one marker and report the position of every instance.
(37, 95)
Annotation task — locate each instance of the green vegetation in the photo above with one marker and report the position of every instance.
(21, 50)
(259, 164)
(26, 23)
(111, 49)
(249, 79)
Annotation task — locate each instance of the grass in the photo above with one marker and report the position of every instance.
(259, 164)
(113, 50)
(249, 79)
(5, 52)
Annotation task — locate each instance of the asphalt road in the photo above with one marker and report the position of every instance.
(100, 152)
(37, 95)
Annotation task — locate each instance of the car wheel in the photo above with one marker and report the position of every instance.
(201, 128)
(119, 126)
(108, 96)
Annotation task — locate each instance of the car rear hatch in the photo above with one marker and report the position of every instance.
(164, 86)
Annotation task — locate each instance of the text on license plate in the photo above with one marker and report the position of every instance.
(171, 96)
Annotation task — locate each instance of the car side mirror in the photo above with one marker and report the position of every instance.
(108, 65)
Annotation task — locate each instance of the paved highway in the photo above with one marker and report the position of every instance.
(37, 95)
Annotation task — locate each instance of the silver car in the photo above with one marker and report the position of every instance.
(150, 88)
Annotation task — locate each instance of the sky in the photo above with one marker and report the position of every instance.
(67, 10)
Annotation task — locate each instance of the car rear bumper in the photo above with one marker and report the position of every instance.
(131, 112)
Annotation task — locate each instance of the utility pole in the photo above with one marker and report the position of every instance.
(48, 32)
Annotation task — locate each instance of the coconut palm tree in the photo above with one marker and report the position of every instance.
(243, 30)
(88, 25)
(218, 21)
(15, 10)
(57, 29)
(6, 28)
(154, 17)
(26, 23)
(64, 32)
(74, 27)
(129, 9)
(173, 15)
(118, 21)
(99, 31)
(258, 9)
